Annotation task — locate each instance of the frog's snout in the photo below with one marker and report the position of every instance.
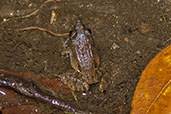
(78, 21)
(79, 25)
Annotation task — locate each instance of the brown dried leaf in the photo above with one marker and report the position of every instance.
(10, 104)
(27, 109)
(153, 92)
(15, 105)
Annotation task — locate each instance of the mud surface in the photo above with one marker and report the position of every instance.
(127, 34)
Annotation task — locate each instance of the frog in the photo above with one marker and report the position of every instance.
(83, 59)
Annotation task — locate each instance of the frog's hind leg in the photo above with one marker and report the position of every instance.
(73, 82)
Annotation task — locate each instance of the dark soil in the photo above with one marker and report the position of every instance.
(127, 34)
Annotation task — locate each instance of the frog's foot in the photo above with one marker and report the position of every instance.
(105, 78)
(66, 52)
(103, 83)
(74, 83)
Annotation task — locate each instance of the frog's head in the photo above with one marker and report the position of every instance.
(79, 26)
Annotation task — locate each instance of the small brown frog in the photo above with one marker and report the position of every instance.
(83, 58)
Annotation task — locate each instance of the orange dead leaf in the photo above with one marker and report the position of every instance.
(153, 92)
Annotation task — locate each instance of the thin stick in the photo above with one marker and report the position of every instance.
(34, 12)
(30, 14)
(43, 29)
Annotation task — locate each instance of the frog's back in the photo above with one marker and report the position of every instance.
(82, 49)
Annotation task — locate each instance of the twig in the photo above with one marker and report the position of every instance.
(34, 12)
(43, 29)
(30, 14)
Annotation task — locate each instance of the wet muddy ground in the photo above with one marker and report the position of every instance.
(127, 34)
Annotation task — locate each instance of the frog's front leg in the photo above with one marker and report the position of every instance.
(74, 62)
(73, 82)
(96, 59)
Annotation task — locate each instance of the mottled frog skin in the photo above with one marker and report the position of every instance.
(83, 59)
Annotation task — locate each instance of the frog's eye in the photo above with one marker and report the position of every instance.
(89, 31)
(70, 33)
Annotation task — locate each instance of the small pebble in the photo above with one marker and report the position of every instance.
(138, 52)
(114, 46)
(4, 19)
(84, 94)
